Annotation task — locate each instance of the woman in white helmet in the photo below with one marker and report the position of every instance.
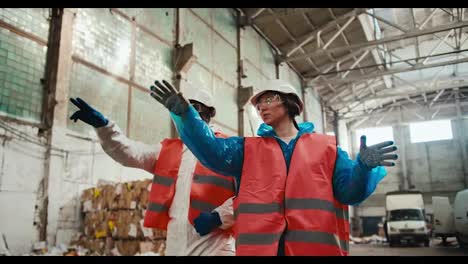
(188, 200)
(295, 185)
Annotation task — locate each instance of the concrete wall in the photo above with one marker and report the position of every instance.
(214, 35)
(259, 65)
(313, 109)
(21, 172)
(109, 58)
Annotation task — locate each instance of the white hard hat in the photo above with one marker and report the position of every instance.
(200, 95)
(276, 86)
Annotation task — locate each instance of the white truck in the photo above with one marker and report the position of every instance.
(405, 219)
(444, 225)
(461, 217)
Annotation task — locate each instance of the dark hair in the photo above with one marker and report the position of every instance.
(291, 102)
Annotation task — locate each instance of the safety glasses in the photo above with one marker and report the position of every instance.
(268, 101)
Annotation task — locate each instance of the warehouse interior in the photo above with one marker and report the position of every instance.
(396, 74)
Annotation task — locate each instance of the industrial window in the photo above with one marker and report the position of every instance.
(374, 135)
(104, 39)
(430, 131)
(22, 62)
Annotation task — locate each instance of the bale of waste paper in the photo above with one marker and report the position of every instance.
(113, 221)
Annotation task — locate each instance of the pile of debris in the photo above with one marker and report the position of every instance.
(41, 249)
(374, 239)
(113, 221)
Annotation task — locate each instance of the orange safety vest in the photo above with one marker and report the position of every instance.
(300, 202)
(208, 190)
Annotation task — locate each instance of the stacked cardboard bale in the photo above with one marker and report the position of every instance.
(113, 220)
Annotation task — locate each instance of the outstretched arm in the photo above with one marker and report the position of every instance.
(125, 151)
(120, 148)
(355, 181)
(222, 155)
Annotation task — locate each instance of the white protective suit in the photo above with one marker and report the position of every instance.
(182, 238)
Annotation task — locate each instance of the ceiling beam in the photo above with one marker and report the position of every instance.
(410, 110)
(409, 91)
(437, 46)
(355, 64)
(394, 71)
(291, 36)
(272, 17)
(345, 38)
(437, 97)
(387, 22)
(428, 18)
(416, 47)
(330, 41)
(330, 66)
(257, 13)
(409, 34)
(369, 84)
(368, 26)
(401, 100)
(306, 38)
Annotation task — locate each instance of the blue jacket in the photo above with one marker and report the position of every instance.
(353, 182)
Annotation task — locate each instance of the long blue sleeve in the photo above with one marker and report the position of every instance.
(222, 155)
(353, 182)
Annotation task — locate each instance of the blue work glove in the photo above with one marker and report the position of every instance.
(206, 222)
(88, 114)
(376, 155)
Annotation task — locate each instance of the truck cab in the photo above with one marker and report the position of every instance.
(406, 219)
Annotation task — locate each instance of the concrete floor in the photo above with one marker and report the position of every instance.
(436, 249)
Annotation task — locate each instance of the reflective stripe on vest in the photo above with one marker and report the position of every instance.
(315, 204)
(220, 182)
(258, 239)
(202, 206)
(268, 199)
(251, 208)
(166, 181)
(316, 237)
(292, 203)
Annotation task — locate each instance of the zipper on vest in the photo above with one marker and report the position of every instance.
(283, 234)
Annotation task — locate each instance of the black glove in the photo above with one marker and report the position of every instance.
(167, 95)
(375, 155)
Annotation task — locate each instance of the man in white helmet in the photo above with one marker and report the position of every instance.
(295, 185)
(188, 200)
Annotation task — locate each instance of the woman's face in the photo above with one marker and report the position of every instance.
(271, 108)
